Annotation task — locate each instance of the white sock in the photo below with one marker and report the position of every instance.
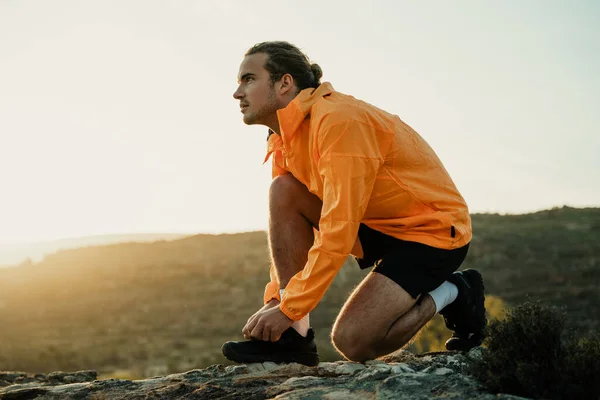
(442, 296)
(301, 326)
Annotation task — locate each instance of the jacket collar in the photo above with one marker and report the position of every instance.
(292, 116)
(273, 144)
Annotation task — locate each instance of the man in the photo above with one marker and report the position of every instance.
(350, 178)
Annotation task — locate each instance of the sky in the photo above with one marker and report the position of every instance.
(118, 116)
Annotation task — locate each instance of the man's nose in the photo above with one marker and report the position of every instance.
(237, 94)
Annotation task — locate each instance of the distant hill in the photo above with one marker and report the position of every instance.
(15, 254)
(140, 309)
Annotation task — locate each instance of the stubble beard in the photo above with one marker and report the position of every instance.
(266, 112)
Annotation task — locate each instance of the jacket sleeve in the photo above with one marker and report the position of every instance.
(350, 156)
(272, 288)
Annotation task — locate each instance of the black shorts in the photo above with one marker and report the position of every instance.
(416, 267)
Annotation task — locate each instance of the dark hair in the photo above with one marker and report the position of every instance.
(285, 58)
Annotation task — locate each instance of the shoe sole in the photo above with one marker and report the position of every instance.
(458, 344)
(308, 359)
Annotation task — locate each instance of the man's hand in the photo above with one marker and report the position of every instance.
(270, 304)
(267, 324)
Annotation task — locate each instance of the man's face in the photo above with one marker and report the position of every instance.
(255, 92)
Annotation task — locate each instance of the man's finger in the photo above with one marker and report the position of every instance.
(251, 325)
(256, 332)
(275, 336)
(266, 334)
(247, 332)
(252, 317)
(247, 328)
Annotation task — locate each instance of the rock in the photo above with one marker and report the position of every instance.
(443, 371)
(349, 368)
(295, 369)
(373, 373)
(328, 367)
(295, 383)
(54, 378)
(399, 356)
(301, 382)
(269, 366)
(319, 393)
(475, 354)
(72, 377)
(401, 368)
(266, 366)
(456, 362)
(236, 369)
(374, 362)
(401, 376)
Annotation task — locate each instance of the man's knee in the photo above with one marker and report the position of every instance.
(284, 188)
(351, 344)
(287, 194)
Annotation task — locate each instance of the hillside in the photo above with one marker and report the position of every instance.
(142, 309)
(15, 254)
(550, 255)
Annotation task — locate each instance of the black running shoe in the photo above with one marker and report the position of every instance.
(291, 347)
(466, 315)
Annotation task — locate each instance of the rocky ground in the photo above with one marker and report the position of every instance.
(401, 376)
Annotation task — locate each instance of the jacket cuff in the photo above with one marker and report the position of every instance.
(271, 292)
(289, 313)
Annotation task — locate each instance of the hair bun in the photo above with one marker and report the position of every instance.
(317, 72)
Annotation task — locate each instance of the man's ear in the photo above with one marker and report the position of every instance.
(287, 84)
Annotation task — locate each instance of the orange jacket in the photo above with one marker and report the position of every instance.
(367, 166)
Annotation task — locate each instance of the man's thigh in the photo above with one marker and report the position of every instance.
(371, 310)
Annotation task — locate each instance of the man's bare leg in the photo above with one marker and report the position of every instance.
(379, 318)
(293, 213)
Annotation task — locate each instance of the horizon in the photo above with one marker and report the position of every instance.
(27, 253)
(119, 117)
(8, 245)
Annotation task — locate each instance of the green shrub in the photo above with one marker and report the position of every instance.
(530, 354)
(582, 368)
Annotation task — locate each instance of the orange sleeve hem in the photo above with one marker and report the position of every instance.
(271, 292)
(288, 313)
(272, 288)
